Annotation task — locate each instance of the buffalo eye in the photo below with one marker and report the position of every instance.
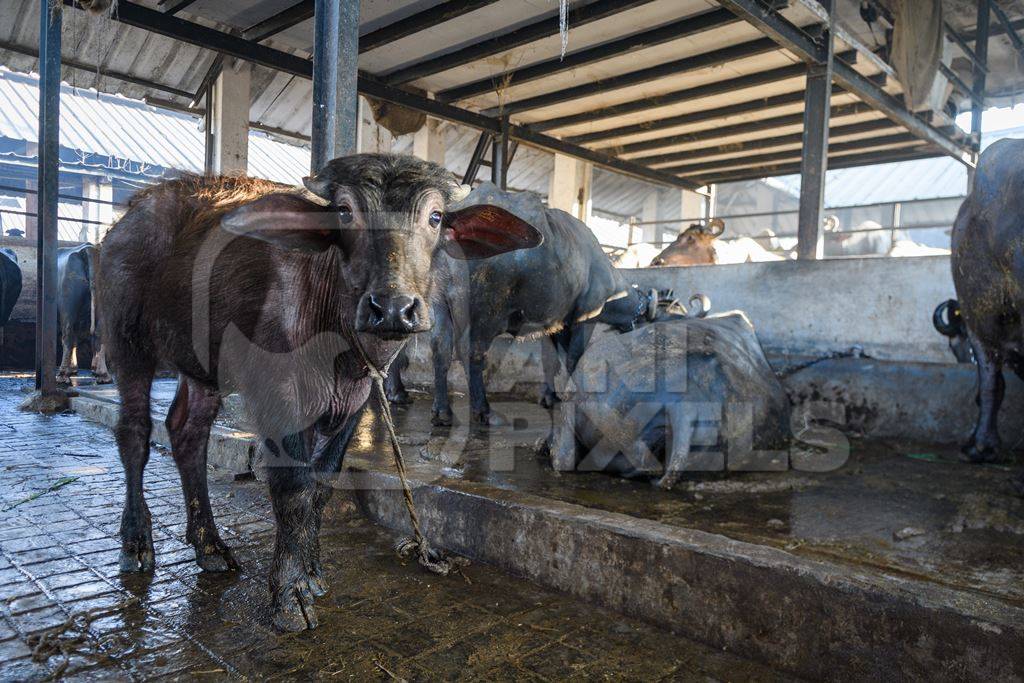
(345, 214)
(435, 219)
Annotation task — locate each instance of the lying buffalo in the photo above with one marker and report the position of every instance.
(10, 283)
(692, 395)
(988, 273)
(286, 298)
(548, 291)
(76, 288)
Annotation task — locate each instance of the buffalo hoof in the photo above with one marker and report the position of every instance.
(63, 377)
(442, 418)
(103, 379)
(215, 556)
(293, 606)
(549, 399)
(136, 541)
(974, 453)
(400, 398)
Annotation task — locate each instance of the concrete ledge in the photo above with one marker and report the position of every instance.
(815, 619)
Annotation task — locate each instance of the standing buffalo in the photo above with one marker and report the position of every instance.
(76, 286)
(988, 272)
(288, 299)
(10, 283)
(550, 290)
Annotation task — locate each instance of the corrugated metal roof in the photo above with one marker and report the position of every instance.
(901, 181)
(129, 130)
(282, 102)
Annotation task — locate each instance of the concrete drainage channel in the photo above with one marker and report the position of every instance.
(812, 618)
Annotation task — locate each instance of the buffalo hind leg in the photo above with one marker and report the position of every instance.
(549, 360)
(188, 423)
(299, 489)
(983, 445)
(132, 435)
(68, 364)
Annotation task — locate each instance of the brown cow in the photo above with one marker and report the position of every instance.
(695, 246)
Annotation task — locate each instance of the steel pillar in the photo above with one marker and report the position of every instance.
(817, 105)
(980, 70)
(476, 158)
(49, 170)
(335, 80)
(499, 156)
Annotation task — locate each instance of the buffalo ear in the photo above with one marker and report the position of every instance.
(482, 230)
(287, 220)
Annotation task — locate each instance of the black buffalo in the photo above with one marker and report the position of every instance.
(988, 272)
(548, 291)
(10, 283)
(76, 287)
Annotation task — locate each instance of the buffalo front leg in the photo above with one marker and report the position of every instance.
(99, 366)
(188, 423)
(983, 445)
(300, 486)
(394, 387)
(132, 434)
(442, 344)
(479, 406)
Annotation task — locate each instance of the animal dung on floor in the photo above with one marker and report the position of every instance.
(691, 395)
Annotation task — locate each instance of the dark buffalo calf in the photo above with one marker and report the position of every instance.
(243, 286)
(988, 272)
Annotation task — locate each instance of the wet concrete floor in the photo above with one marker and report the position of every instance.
(897, 508)
(66, 612)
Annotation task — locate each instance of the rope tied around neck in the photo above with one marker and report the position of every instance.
(430, 559)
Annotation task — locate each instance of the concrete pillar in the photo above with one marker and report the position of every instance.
(228, 120)
(692, 205)
(101, 211)
(651, 233)
(372, 137)
(570, 188)
(428, 141)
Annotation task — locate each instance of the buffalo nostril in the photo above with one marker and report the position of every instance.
(410, 313)
(376, 311)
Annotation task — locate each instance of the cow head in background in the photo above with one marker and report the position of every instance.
(693, 247)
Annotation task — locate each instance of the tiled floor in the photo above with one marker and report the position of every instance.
(60, 504)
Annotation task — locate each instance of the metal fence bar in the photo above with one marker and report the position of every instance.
(87, 200)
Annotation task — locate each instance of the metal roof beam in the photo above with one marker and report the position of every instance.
(173, 8)
(736, 129)
(93, 69)
(759, 104)
(767, 143)
(1011, 32)
(797, 41)
(235, 46)
(282, 21)
(640, 76)
(834, 163)
(548, 26)
(707, 90)
(421, 21)
(789, 154)
(708, 115)
(683, 28)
